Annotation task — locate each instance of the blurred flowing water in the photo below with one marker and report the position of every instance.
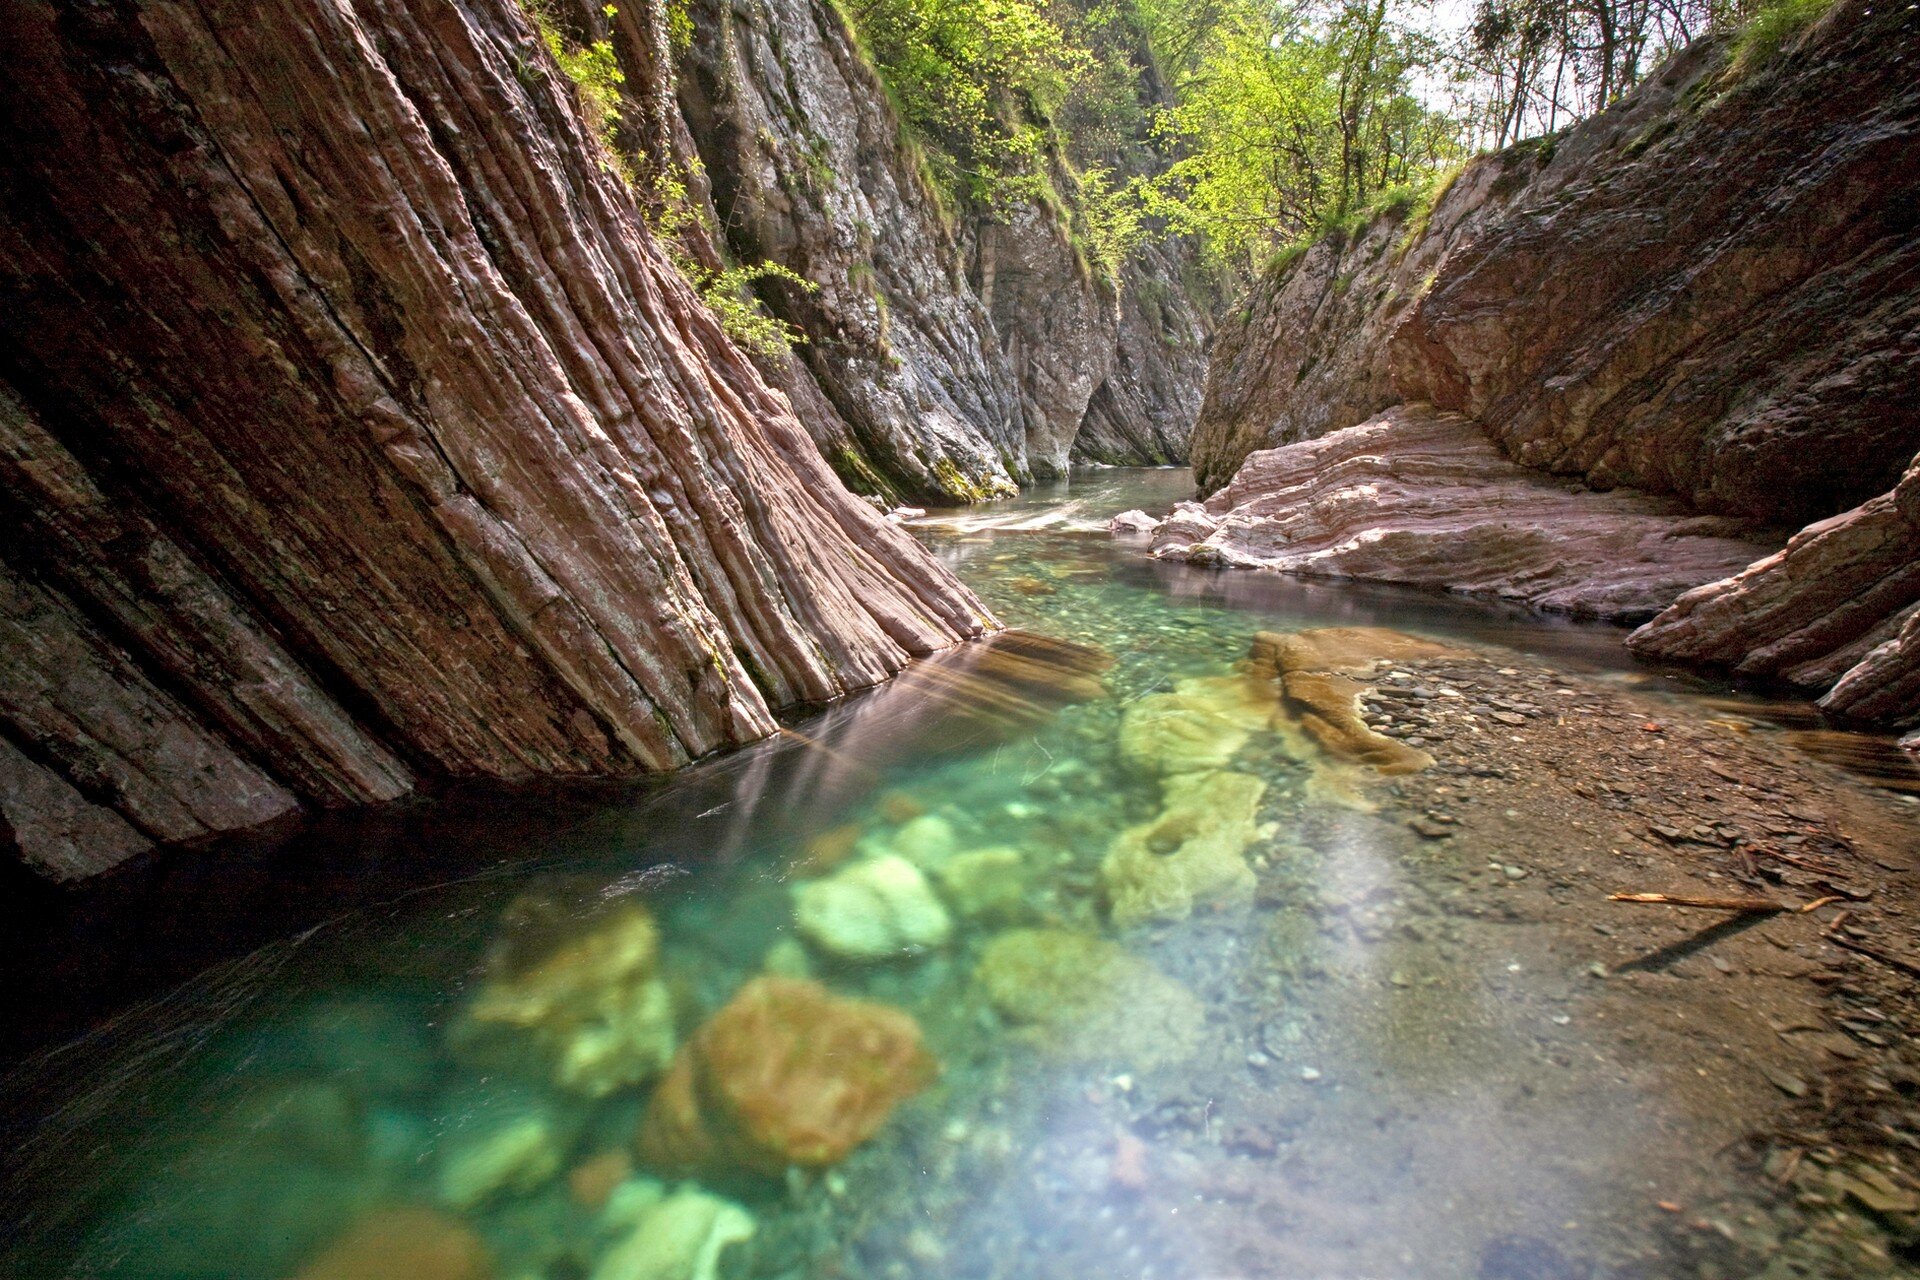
(1239, 1113)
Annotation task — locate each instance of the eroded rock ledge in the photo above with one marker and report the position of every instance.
(1420, 496)
(1837, 610)
(356, 431)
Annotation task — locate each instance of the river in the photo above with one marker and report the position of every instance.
(1369, 1036)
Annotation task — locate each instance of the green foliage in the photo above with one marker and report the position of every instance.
(978, 82)
(1771, 27)
(1113, 219)
(679, 27)
(595, 72)
(728, 292)
(594, 69)
(1298, 120)
(728, 295)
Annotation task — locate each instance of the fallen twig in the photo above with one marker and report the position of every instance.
(1751, 906)
(1818, 903)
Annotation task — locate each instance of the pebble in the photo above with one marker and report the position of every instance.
(1309, 1074)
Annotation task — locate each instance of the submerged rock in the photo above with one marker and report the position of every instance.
(1312, 668)
(1198, 727)
(1347, 651)
(1191, 855)
(925, 841)
(1327, 706)
(984, 882)
(679, 1238)
(500, 1141)
(1090, 999)
(786, 1074)
(874, 909)
(407, 1243)
(573, 982)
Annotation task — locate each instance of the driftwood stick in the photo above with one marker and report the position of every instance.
(1751, 906)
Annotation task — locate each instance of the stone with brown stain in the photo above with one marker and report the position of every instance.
(787, 1073)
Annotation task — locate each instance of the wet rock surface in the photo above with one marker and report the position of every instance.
(1422, 497)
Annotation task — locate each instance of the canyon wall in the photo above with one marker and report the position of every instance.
(952, 353)
(1710, 293)
(356, 431)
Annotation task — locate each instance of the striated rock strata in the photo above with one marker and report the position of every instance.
(809, 169)
(947, 355)
(1723, 305)
(1708, 292)
(1422, 497)
(355, 430)
(1837, 610)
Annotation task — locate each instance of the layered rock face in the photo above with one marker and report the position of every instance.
(946, 359)
(809, 170)
(1707, 293)
(1837, 610)
(1306, 353)
(1725, 305)
(1421, 496)
(355, 430)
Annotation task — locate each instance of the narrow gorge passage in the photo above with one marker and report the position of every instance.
(968, 639)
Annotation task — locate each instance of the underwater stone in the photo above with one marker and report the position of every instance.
(787, 958)
(1191, 855)
(406, 1243)
(985, 881)
(511, 1141)
(786, 1074)
(1198, 727)
(1343, 650)
(679, 1238)
(594, 1180)
(573, 981)
(1090, 999)
(874, 909)
(926, 842)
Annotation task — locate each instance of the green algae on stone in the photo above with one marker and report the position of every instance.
(873, 909)
(1191, 855)
(1090, 999)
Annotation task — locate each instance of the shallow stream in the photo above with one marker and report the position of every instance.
(1318, 1068)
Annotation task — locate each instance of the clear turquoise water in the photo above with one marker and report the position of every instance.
(235, 1126)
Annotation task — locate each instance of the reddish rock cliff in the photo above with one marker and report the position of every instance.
(1710, 292)
(357, 431)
